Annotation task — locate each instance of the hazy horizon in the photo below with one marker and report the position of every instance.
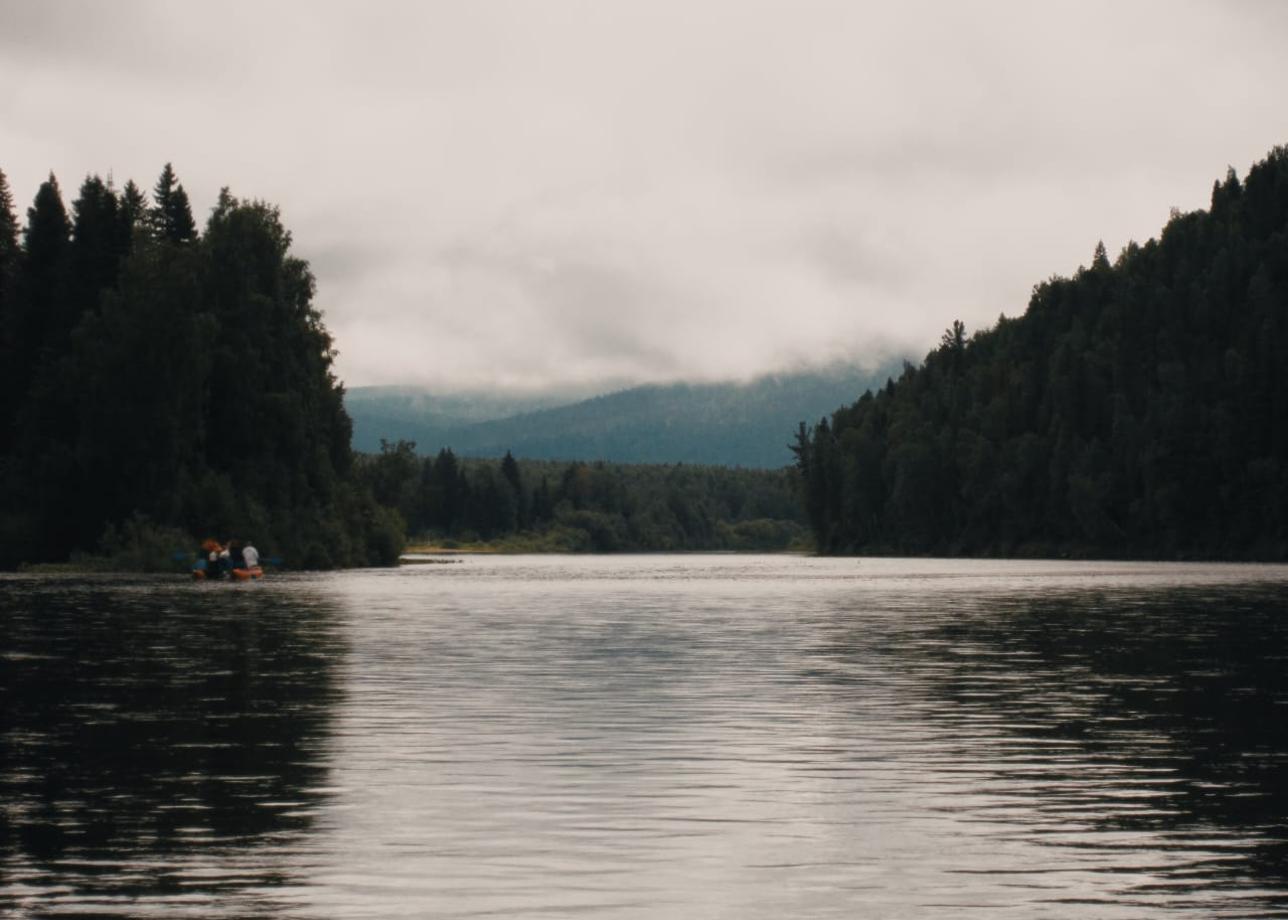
(568, 195)
(560, 391)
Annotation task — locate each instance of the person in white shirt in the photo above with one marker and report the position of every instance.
(250, 555)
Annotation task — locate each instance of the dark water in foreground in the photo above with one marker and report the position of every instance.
(650, 737)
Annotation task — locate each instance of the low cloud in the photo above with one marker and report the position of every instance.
(553, 194)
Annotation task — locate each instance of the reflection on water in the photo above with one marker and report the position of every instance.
(158, 741)
(651, 737)
(1132, 741)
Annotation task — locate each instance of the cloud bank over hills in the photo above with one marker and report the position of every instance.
(568, 193)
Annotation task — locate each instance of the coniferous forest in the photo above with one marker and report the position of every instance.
(545, 505)
(166, 381)
(163, 382)
(1137, 409)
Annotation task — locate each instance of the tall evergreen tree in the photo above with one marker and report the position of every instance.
(9, 246)
(1100, 258)
(41, 325)
(96, 247)
(444, 498)
(510, 473)
(10, 263)
(133, 214)
(171, 215)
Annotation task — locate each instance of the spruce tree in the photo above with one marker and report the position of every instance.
(510, 472)
(133, 214)
(39, 324)
(171, 217)
(1100, 258)
(10, 261)
(443, 492)
(95, 248)
(9, 248)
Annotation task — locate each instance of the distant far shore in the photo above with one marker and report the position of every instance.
(439, 549)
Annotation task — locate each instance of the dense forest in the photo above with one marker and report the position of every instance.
(585, 507)
(164, 382)
(1137, 409)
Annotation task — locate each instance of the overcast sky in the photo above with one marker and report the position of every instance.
(552, 193)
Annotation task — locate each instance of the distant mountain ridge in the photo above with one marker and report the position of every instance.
(725, 424)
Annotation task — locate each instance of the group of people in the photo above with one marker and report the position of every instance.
(219, 559)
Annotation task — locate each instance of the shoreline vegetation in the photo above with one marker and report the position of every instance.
(535, 506)
(170, 384)
(538, 544)
(165, 383)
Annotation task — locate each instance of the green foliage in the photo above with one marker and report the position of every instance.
(173, 378)
(10, 264)
(1135, 410)
(546, 506)
(763, 535)
(140, 545)
(170, 217)
(39, 322)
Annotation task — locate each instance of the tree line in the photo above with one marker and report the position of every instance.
(585, 507)
(1137, 409)
(166, 380)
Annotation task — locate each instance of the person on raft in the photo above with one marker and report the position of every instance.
(210, 559)
(230, 558)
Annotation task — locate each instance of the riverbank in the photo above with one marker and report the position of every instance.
(565, 540)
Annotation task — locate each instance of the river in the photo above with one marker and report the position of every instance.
(649, 737)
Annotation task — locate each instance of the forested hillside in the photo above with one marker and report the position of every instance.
(730, 424)
(409, 413)
(163, 383)
(586, 507)
(1138, 408)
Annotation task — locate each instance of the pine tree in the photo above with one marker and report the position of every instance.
(444, 501)
(543, 505)
(510, 472)
(1100, 258)
(40, 325)
(170, 216)
(10, 262)
(179, 223)
(9, 248)
(133, 214)
(96, 251)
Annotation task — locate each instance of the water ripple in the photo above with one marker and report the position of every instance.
(650, 736)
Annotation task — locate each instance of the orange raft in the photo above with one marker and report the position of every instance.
(237, 574)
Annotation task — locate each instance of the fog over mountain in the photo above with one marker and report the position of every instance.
(735, 424)
(572, 193)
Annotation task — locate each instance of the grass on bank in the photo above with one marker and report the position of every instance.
(758, 536)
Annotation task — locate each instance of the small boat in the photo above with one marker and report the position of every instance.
(200, 572)
(214, 556)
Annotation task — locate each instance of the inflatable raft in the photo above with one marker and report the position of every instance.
(200, 573)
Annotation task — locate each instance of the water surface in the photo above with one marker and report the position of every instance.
(650, 736)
